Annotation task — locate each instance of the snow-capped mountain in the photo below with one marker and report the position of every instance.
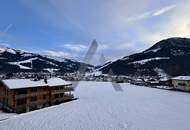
(170, 57)
(12, 60)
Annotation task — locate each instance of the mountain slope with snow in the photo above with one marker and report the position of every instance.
(12, 60)
(171, 56)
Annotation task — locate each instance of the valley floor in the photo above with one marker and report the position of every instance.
(100, 107)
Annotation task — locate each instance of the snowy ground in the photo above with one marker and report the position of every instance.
(101, 108)
(4, 116)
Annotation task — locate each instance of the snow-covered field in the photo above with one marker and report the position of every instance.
(101, 108)
(4, 116)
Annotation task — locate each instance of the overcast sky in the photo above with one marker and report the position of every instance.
(67, 27)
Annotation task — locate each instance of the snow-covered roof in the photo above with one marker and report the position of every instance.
(186, 78)
(96, 73)
(28, 83)
(22, 83)
(57, 82)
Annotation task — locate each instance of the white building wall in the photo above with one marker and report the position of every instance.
(181, 84)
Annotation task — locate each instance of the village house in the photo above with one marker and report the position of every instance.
(23, 95)
(181, 83)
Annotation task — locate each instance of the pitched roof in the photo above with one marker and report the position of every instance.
(186, 78)
(28, 83)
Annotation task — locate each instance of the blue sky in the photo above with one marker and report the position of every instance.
(67, 27)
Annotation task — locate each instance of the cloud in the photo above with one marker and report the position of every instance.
(74, 47)
(117, 46)
(114, 51)
(56, 53)
(8, 28)
(4, 44)
(177, 24)
(92, 19)
(151, 13)
(163, 10)
(140, 17)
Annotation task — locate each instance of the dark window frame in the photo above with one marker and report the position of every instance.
(44, 97)
(33, 89)
(61, 94)
(56, 95)
(22, 91)
(33, 98)
(21, 101)
(182, 84)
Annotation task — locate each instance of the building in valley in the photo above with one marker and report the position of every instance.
(23, 95)
(181, 83)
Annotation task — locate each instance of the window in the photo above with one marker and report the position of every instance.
(56, 95)
(22, 91)
(21, 101)
(181, 84)
(56, 88)
(44, 96)
(61, 95)
(33, 98)
(33, 89)
(33, 107)
(61, 88)
(6, 92)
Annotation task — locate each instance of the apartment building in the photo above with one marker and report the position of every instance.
(23, 95)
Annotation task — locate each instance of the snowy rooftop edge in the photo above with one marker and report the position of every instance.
(28, 83)
(182, 78)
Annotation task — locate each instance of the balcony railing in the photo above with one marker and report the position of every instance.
(65, 97)
(30, 94)
(37, 102)
(68, 89)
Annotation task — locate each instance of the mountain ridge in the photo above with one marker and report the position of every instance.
(13, 61)
(169, 56)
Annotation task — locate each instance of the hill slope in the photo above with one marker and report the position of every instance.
(167, 57)
(12, 60)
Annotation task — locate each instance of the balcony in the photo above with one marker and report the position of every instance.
(67, 89)
(30, 94)
(65, 97)
(38, 102)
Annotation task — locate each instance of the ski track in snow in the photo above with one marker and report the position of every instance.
(102, 108)
(147, 60)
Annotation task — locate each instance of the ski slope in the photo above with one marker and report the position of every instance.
(101, 108)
